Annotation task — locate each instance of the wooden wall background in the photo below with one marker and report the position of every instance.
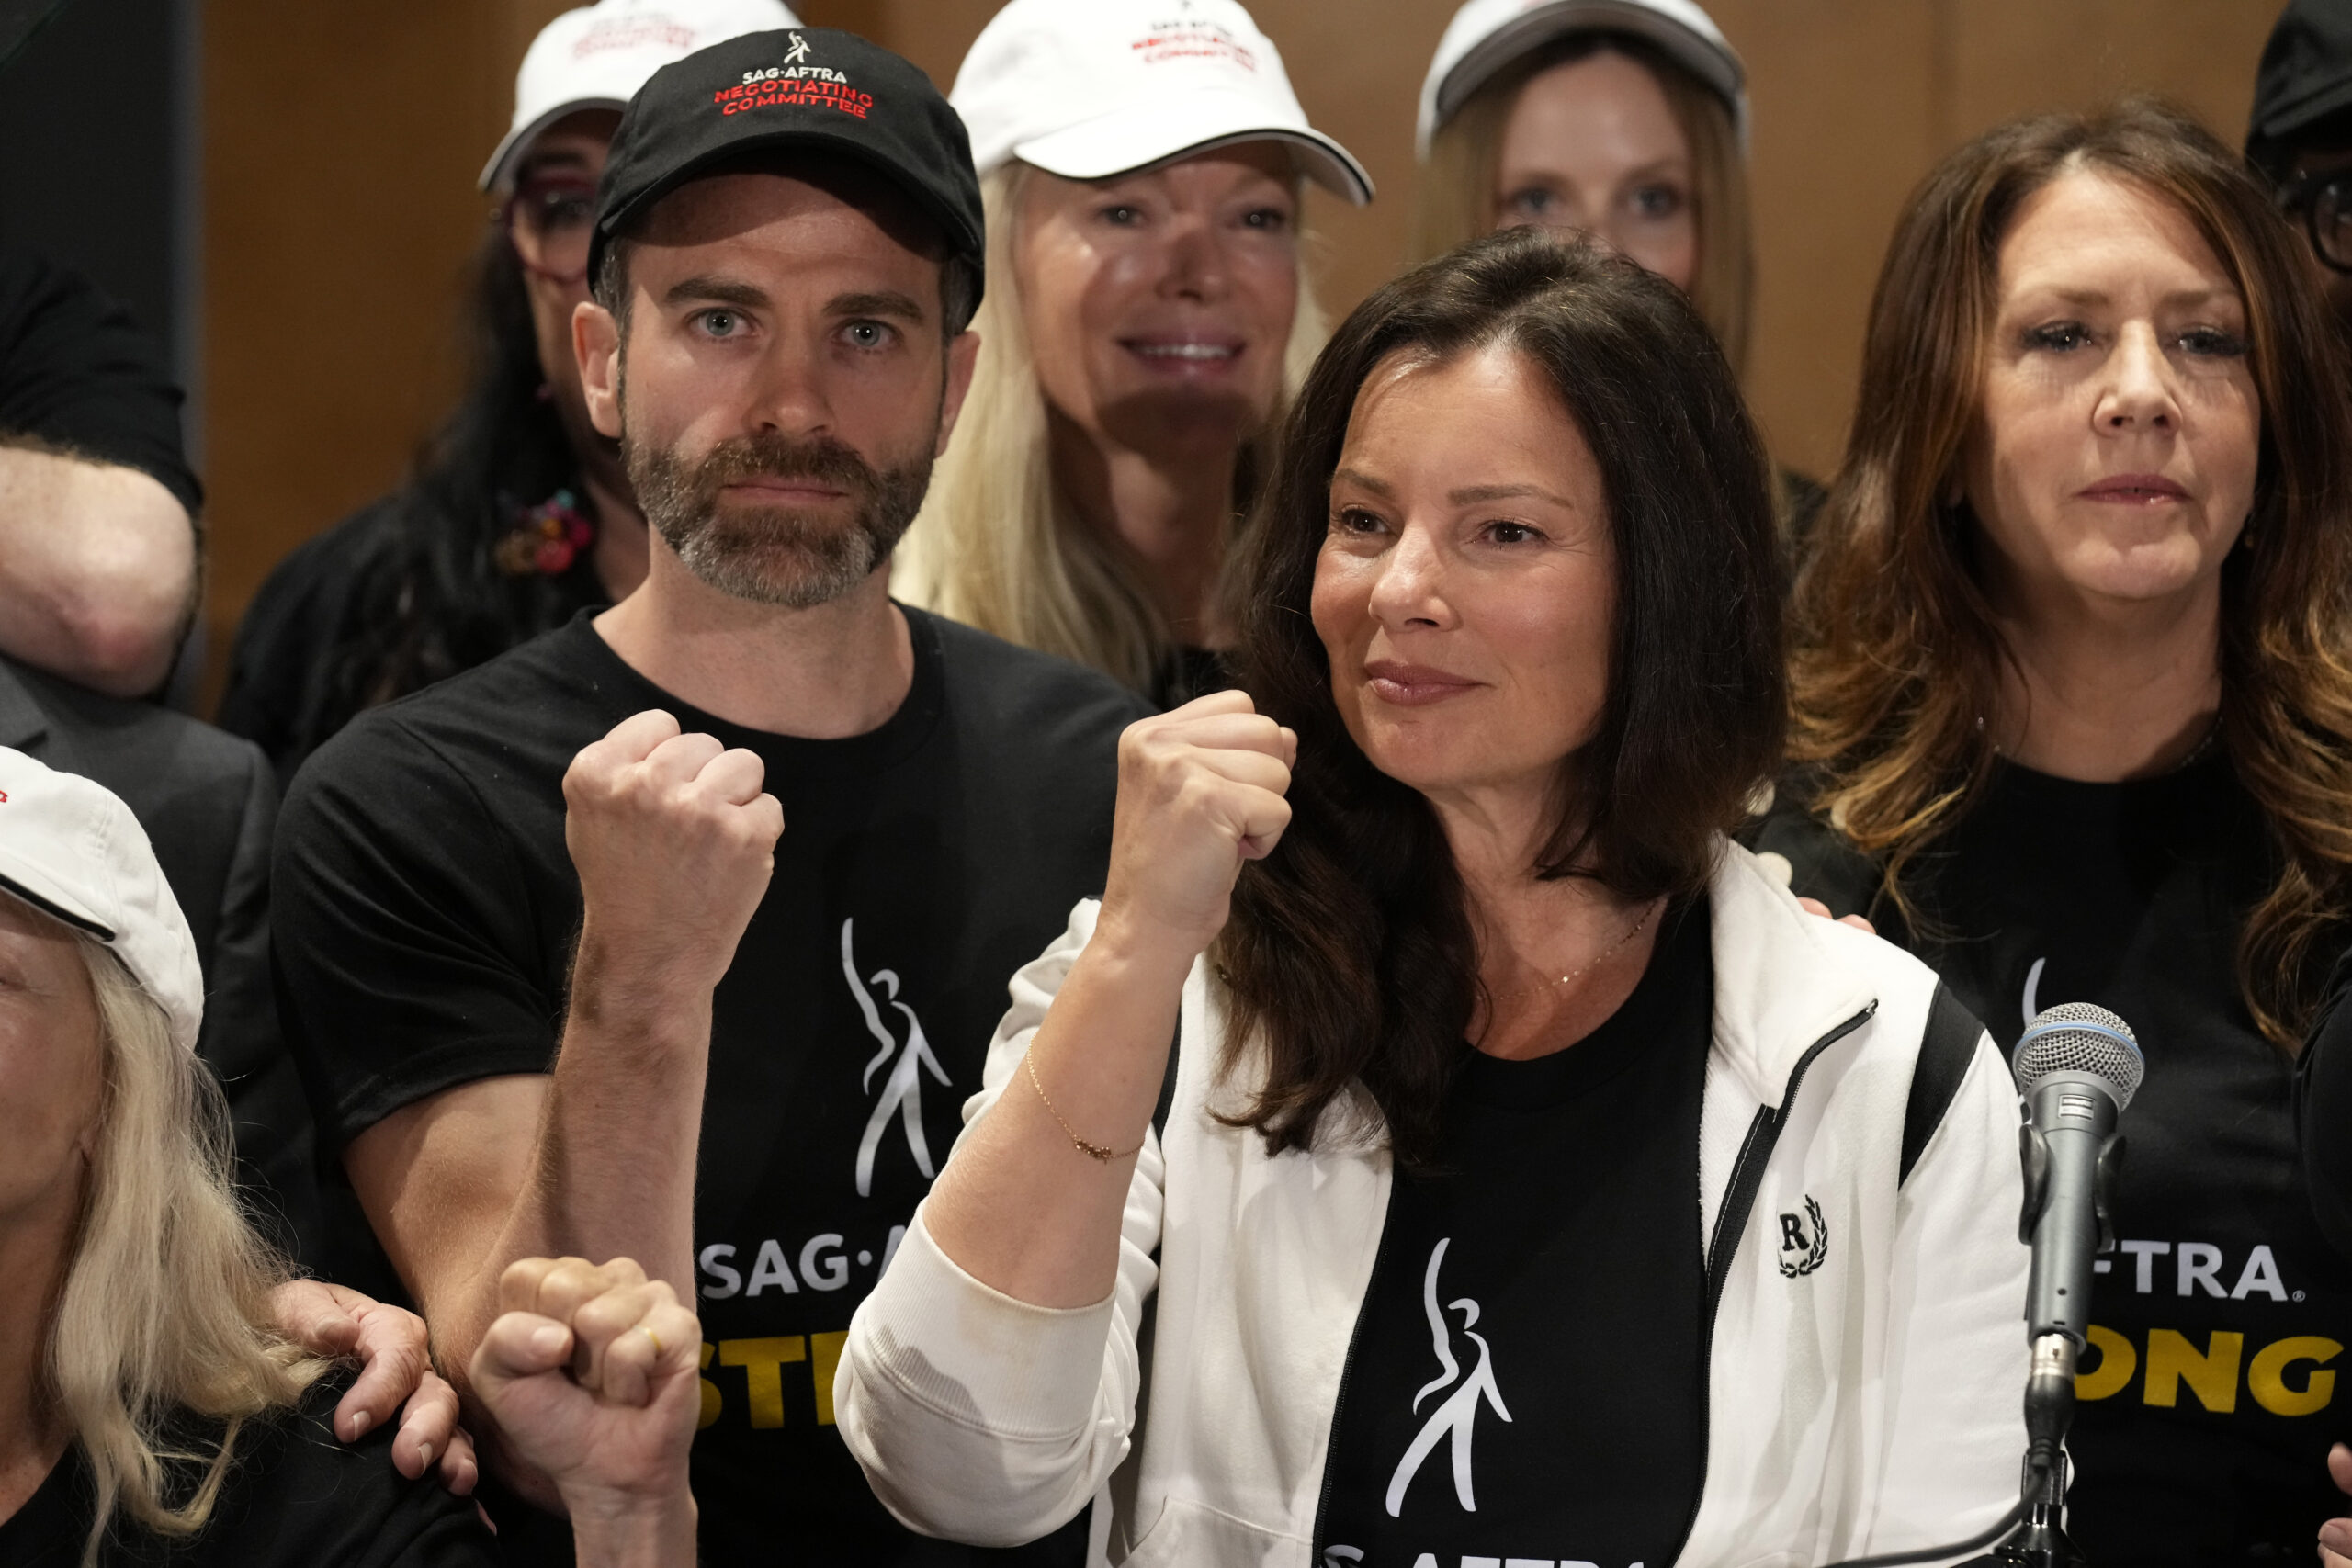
(342, 142)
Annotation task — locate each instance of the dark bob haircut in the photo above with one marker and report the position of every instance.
(1349, 953)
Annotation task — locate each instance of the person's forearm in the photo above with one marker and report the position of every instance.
(613, 1161)
(1020, 1207)
(613, 1536)
(616, 1149)
(98, 571)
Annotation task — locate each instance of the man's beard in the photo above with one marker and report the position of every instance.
(776, 555)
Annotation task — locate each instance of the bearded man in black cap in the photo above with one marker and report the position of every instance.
(679, 935)
(2300, 133)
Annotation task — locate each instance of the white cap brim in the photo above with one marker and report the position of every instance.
(1711, 59)
(517, 143)
(1130, 139)
(45, 893)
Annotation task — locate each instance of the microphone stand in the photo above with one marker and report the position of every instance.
(2041, 1540)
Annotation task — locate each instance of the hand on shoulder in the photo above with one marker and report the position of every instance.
(1815, 907)
(396, 1376)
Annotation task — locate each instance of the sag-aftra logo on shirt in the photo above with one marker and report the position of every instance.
(1466, 1378)
(828, 1262)
(2288, 1375)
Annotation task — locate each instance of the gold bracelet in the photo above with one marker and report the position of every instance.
(1096, 1152)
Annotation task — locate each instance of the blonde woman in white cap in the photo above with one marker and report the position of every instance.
(147, 1403)
(519, 515)
(1149, 315)
(1624, 119)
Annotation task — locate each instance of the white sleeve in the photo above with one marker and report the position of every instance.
(1957, 1362)
(982, 1418)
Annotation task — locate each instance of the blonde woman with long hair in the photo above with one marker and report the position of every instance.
(1148, 316)
(149, 1406)
(1623, 119)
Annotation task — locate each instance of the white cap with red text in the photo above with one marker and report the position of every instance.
(598, 56)
(71, 849)
(1487, 35)
(1091, 88)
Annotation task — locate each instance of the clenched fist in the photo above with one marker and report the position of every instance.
(592, 1373)
(1200, 791)
(674, 841)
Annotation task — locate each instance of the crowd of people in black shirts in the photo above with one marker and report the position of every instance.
(1515, 904)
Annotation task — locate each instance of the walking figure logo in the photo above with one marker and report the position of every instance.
(903, 1090)
(798, 52)
(2033, 989)
(1458, 1415)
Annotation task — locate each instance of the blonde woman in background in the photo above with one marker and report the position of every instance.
(1147, 316)
(1624, 120)
(148, 1406)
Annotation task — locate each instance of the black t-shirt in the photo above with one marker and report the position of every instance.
(1527, 1373)
(294, 1498)
(2324, 1104)
(77, 372)
(2208, 1399)
(296, 669)
(428, 910)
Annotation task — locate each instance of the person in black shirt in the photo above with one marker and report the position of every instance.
(97, 502)
(151, 1411)
(678, 933)
(518, 515)
(2075, 725)
(2324, 1107)
(1531, 1169)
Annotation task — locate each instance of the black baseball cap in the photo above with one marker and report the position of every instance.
(816, 88)
(2305, 77)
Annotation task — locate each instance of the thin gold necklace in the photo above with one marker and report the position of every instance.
(1611, 951)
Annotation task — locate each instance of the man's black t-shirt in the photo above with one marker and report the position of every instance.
(1527, 1377)
(293, 1498)
(2208, 1398)
(428, 910)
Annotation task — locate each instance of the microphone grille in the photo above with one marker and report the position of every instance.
(2077, 1037)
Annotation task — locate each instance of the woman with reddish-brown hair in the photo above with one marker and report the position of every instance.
(2072, 716)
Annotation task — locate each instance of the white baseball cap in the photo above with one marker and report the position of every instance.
(1091, 88)
(1487, 35)
(598, 56)
(73, 849)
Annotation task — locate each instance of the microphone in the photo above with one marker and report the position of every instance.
(2077, 1067)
